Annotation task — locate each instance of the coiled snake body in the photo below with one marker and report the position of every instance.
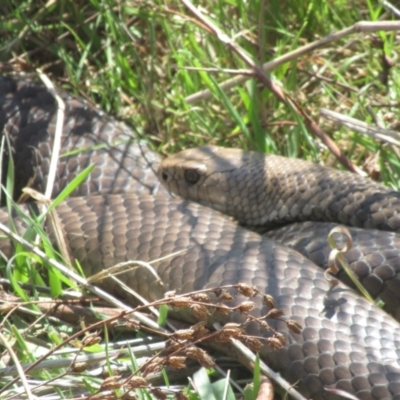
(351, 345)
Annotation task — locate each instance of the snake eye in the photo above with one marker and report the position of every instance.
(191, 176)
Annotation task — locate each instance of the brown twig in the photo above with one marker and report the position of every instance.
(247, 72)
(362, 26)
(276, 89)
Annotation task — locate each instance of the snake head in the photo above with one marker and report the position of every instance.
(197, 175)
(217, 177)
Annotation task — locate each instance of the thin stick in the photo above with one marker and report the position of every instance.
(375, 132)
(391, 8)
(18, 367)
(57, 136)
(362, 26)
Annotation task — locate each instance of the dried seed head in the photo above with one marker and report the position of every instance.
(269, 301)
(252, 343)
(112, 382)
(199, 311)
(265, 325)
(222, 337)
(91, 339)
(294, 326)
(137, 382)
(158, 393)
(280, 337)
(222, 309)
(173, 345)
(200, 356)
(200, 330)
(180, 302)
(110, 372)
(79, 367)
(274, 344)
(183, 334)
(246, 290)
(193, 352)
(175, 362)
(154, 365)
(232, 330)
(200, 327)
(181, 396)
(202, 297)
(246, 306)
(224, 295)
(232, 325)
(275, 313)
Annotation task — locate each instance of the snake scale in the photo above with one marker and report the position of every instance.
(346, 343)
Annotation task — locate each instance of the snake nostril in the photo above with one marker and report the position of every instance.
(164, 176)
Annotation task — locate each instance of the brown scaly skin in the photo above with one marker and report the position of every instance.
(263, 191)
(28, 114)
(347, 343)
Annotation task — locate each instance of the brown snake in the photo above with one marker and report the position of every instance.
(346, 342)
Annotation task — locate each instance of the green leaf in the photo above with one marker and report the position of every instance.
(222, 390)
(257, 376)
(71, 186)
(249, 393)
(232, 110)
(162, 319)
(203, 385)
